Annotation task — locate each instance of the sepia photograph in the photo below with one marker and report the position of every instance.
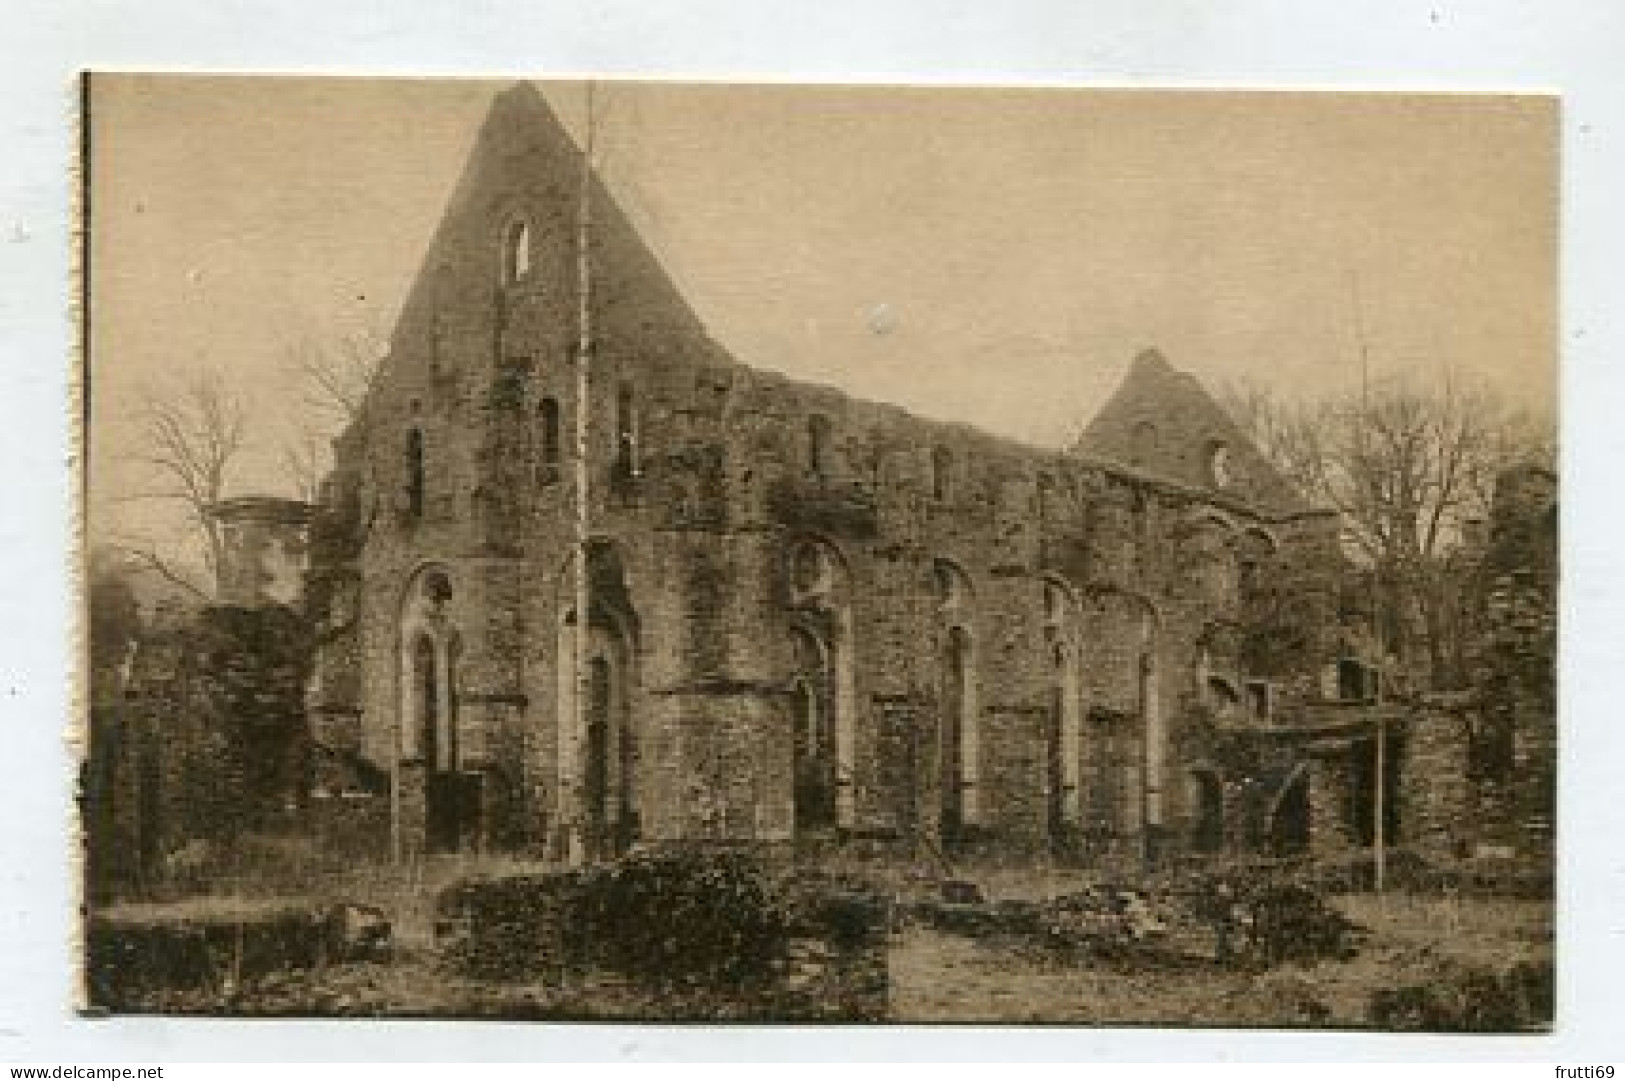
(634, 551)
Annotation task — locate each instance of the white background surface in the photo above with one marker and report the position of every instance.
(1573, 47)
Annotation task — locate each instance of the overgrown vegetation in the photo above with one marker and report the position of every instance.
(1460, 997)
(665, 919)
(713, 933)
(205, 956)
(1238, 922)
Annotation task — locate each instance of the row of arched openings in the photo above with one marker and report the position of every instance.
(550, 446)
(820, 433)
(823, 702)
(598, 745)
(822, 649)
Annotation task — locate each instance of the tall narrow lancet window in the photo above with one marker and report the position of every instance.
(823, 705)
(439, 815)
(942, 468)
(1142, 443)
(958, 734)
(550, 431)
(818, 445)
(596, 782)
(415, 483)
(626, 431)
(955, 723)
(425, 670)
(812, 742)
(515, 252)
(1062, 632)
(1207, 834)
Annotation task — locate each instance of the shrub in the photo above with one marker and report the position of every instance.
(846, 912)
(711, 935)
(1294, 923)
(1105, 921)
(1459, 997)
(508, 928)
(1263, 923)
(665, 919)
(683, 918)
(1525, 876)
(188, 958)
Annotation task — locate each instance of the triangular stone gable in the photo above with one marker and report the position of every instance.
(525, 167)
(1163, 424)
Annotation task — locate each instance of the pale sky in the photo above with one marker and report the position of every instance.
(991, 256)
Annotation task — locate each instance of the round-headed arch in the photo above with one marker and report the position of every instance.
(426, 599)
(816, 571)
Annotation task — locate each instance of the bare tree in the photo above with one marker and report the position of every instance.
(1411, 465)
(335, 375)
(334, 378)
(305, 461)
(145, 552)
(193, 434)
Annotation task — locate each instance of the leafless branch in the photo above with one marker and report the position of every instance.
(335, 375)
(1409, 463)
(195, 432)
(144, 555)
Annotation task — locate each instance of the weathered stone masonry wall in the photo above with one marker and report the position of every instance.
(701, 491)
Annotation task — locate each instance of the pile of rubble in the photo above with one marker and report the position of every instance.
(1252, 926)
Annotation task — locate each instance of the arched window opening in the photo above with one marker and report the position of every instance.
(1260, 699)
(823, 697)
(626, 431)
(595, 779)
(415, 480)
(818, 432)
(814, 754)
(811, 573)
(551, 451)
(942, 465)
(597, 776)
(958, 733)
(1142, 443)
(1288, 823)
(952, 589)
(428, 722)
(1207, 833)
(1491, 748)
(515, 252)
(1062, 629)
(1222, 698)
(1044, 488)
(436, 590)
(1356, 681)
(1154, 733)
(1254, 554)
(1055, 758)
(1055, 605)
(1218, 464)
(425, 672)
(1247, 576)
(957, 668)
(812, 737)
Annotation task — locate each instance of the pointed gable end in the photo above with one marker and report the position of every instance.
(503, 258)
(1161, 423)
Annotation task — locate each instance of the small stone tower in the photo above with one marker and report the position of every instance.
(264, 551)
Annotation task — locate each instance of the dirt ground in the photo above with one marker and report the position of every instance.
(935, 977)
(945, 978)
